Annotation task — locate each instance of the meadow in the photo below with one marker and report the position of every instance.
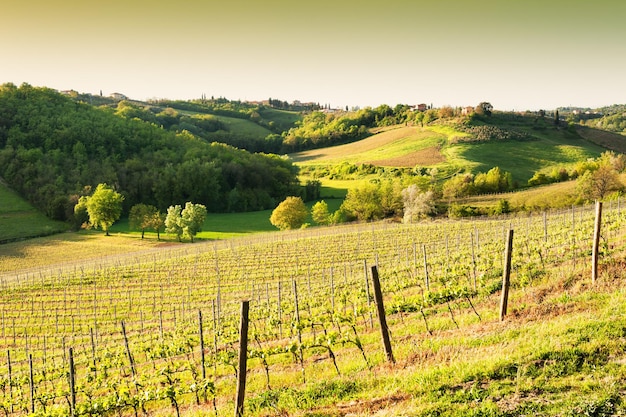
(19, 220)
(437, 146)
(133, 322)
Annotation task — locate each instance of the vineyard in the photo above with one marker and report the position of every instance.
(158, 333)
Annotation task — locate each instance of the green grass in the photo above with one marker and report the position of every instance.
(20, 220)
(243, 127)
(230, 225)
(522, 159)
(552, 148)
(390, 144)
(280, 119)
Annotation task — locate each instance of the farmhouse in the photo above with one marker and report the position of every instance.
(118, 96)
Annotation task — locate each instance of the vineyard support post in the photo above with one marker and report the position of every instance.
(384, 330)
(427, 278)
(130, 356)
(367, 294)
(473, 259)
(72, 382)
(10, 378)
(32, 383)
(243, 358)
(596, 242)
(201, 345)
(93, 352)
(506, 275)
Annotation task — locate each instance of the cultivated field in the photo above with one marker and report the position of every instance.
(400, 146)
(155, 331)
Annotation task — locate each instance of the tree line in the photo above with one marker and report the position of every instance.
(54, 150)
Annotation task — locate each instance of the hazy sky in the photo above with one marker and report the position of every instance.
(516, 54)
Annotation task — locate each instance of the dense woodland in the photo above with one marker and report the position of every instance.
(53, 149)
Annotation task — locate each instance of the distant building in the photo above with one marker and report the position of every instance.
(421, 107)
(118, 96)
(466, 111)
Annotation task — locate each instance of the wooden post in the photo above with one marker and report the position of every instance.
(93, 352)
(10, 378)
(298, 330)
(367, 294)
(506, 275)
(32, 383)
(384, 330)
(243, 358)
(201, 344)
(596, 242)
(130, 356)
(427, 278)
(473, 259)
(72, 381)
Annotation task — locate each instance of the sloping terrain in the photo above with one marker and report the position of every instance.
(608, 140)
(405, 146)
(20, 220)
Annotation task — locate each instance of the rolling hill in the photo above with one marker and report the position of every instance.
(521, 145)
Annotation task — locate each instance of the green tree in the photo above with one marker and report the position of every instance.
(141, 217)
(595, 185)
(319, 213)
(173, 224)
(390, 193)
(192, 218)
(290, 214)
(363, 202)
(461, 185)
(104, 207)
(157, 222)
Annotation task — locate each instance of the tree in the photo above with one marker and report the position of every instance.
(142, 217)
(290, 214)
(484, 108)
(363, 202)
(157, 222)
(319, 213)
(461, 185)
(172, 221)
(417, 204)
(391, 198)
(595, 185)
(192, 219)
(104, 207)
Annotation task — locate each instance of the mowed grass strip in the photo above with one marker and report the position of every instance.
(20, 220)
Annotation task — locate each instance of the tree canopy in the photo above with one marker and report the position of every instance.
(52, 146)
(104, 207)
(290, 214)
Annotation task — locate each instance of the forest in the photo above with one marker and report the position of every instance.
(54, 149)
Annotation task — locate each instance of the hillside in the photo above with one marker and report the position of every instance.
(54, 149)
(398, 146)
(519, 144)
(20, 220)
(314, 339)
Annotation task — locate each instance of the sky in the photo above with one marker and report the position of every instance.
(515, 54)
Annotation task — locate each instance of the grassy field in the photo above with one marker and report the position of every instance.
(243, 127)
(19, 220)
(401, 146)
(409, 146)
